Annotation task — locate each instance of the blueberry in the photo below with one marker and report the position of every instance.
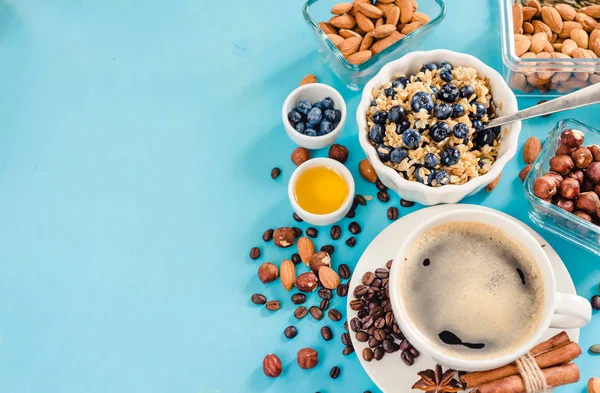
(294, 116)
(461, 130)
(421, 100)
(429, 66)
(376, 133)
(328, 103)
(411, 138)
(379, 117)
(480, 110)
(326, 127)
(450, 156)
(310, 132)
(383, 152)
(446, 65)
(446, 75)
(373, 102)
(423, 175)
(398, 85)
(467, 92)
(466, 141)
(480, 163)
(496, 131)
(398, 155)
(402, 126)
(304, 107)
(440, 131)
(449, 93)
(402, 79)
(441, 178)
(457, 110)
(396, 113)
(319, 104)
(300, 127)
(434, 90)
(314, 116)
(485, 137)
(333, 115)
(431, 160)
(442, 111)
(477, 125)
(389, 92)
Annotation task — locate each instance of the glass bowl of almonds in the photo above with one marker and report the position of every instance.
(550, 47)
(355, 38)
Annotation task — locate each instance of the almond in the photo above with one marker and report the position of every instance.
(379, 22)
(518, 81)
(580, 37)
(594, 35)
(336, 39)
(517, 14)
(385, 8)
(384, 43)
(587, 22)
(568, 27)
(592, 11)
(365, 45)
(593, 385)
(310, 78)
(341, 8)
(306, 282)
(566, 11)
(528, 13)
(552, 18)
(327, 28)
(343, 21)
(527, 28)
(318, 260)
(548, 47)
(287, 274)
(409, 28)
(522, 44)
(383, 31)
(531, 149)
(594, 78)
(420, 17)
(392, 16)
(386, 1)
(346, 33)
(328, 277)
(350, 46)
(490, 187)
(367, 171)
(579, 53)
(538, 42)
(596, 46)
(369, 10)
(524, 172)
(406, 10)
(306, 249)
(581, 76)
(360, 57)
(539, 27)
(568, 46)
(363, 22)
(535, 4)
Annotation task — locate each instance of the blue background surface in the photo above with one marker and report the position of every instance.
(136, 143)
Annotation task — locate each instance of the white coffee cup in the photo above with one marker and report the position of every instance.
(562, 311)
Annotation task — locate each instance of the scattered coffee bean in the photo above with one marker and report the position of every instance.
(383, 196)
(388, 264)
(290, 332)
(379, 335)
(367, 354)
(407, 358)
(351, 213)
(346, 325)
(405, 203)
(351, 242)
(300, 312)
(296, 259)
(335, 372)
(413, 351)
(334, 315)
(348, 350)
(312, 232)
(392, 213)
(380, 186)
(346, 339)
(360, 200)
(335, 232)
(378, 353)
(328, 248)
(275, 172)
(316, 312)
(404, 345)
(367, 391)
(324, 293)
(273, 305)
(389, 346)
(297, 231)
(373, 342)
(368, 278)
(344, 271)
(324, 304)
(254, 253)
(357, 304)
(360, 291)
(361, 336)
(326, 333)
(342, 290)
(257, 298)
(354, 205)
(298, 298)
(595, 302)
(355, 325)
(354, 228)
(268, 235)
(382, 273)
(297, 217)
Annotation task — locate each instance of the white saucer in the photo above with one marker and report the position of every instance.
(390, 374)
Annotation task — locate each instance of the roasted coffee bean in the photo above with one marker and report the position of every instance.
(273, 305)
(379, 334)
(413, 351)
(325, 293)
(346, 325)
(300, 312)
(296, 259)
(351, 213)
(268, 235)
(382, 273)
(344, 271)
(376, 313)
(388, 345)
(312, 232)
(297, 231)
(334, 315)
(342, 290)
(361, 336)
(387, 306)
(367, 354)
(407, 358)
(404, 345)
(380, 186)
(371, 330)
(335, 372)
(386, 282)
(316, 313)
(368, 278)
(254, 253)
(397, 336)
(355, 324)
(378, 353)
(367, 322)
(351, 242)
(360, 200)
(357, 304)
(326, 333)
(257, 298)
(348, 350)
(376, 283)
(371, 304)
(297, 218)
(354, 205)
(354, 228)
(275, 172)
(335, 232)
(392, 213)
(595, 301)
(373, 342)
(346, 339)
(290, 332)
(396, 328)
(328, 248)
(324, 304)
(405, 203)
(360, 291)
(388, 264)
(298, 298)
(383, 196)
(379, 322)
(389, 319)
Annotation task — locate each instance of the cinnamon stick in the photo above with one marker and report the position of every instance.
(555, 376)
(558, 340)
(554, 357)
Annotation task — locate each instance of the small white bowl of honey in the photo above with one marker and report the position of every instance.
(321, 191)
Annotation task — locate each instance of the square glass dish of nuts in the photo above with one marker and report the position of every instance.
(550, 47)
(563, 186)
(355, 38)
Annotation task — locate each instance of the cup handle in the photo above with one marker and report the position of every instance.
(571, 312)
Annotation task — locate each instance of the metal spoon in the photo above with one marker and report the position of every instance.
(586, 96)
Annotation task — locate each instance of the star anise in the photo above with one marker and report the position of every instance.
(437, 382)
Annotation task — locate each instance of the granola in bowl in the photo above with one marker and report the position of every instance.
(430, 126)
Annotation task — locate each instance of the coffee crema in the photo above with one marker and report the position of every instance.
(472, 290)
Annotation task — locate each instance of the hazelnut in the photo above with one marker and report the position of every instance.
(367, 171)
(569, 188)
(597, 190)
(267, 272)
(319, 259)
(284, 237)
(582, 157)
(300, 155)
(566, 204)
(307, 358)
(544, 187)
(562, 150)
(595, 150)
(272, 366)
(572, 138)
(593, 172)
(583, 215)
(561, 164)
(338, 153)
(577, 174)
(588, 201)
(524, 172)
(587, 185)
(306, 282)
(557, 178)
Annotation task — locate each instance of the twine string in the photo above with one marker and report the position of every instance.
(532, 375)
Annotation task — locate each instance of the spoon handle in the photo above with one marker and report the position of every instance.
(586, 96)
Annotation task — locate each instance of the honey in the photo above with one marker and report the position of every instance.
(321, 190)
